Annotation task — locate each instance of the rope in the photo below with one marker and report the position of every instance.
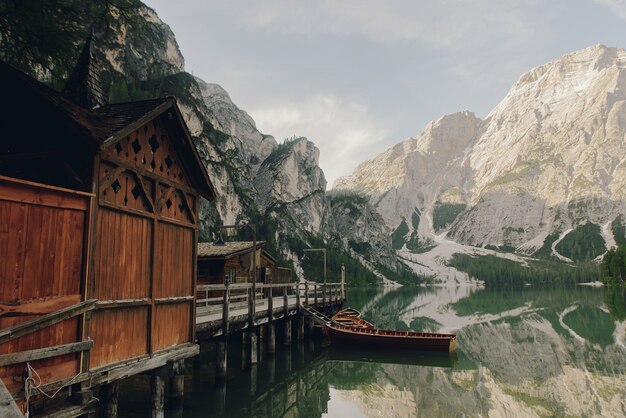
(34, 381)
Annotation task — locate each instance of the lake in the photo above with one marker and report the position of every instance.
(521, 352)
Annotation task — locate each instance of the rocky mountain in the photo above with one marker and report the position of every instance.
(546, 168)
(279, 187)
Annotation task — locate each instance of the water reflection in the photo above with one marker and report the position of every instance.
(527, 352)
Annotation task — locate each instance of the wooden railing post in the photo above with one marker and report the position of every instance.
(270, 301)
(298, 295)
(324, 295)
(250, 308)
(226, 305)
(285, 302)
(306, 293)
(206, 297)
(315, 292)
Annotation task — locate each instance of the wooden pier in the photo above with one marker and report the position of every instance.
(222, 310)
(233, 309)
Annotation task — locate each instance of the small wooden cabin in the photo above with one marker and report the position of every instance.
(216, 261)
(98, 232)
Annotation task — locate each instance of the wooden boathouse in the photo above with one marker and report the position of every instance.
(98, 232)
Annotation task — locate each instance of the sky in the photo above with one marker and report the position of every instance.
(358, 76)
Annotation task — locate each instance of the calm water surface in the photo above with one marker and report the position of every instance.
(528, 352)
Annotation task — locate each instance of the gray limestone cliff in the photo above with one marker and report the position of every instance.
(549, 159)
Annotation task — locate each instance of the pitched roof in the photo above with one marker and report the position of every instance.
(226, 250)
(106, 125)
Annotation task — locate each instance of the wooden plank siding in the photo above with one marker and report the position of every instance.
(144, 248)
(42, 237)
(122, 256)
(118, 334)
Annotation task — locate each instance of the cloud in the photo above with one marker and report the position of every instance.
(444, 23)
(342, 130)
(616, 6)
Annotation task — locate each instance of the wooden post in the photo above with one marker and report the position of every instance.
(287, 331)
(245, 358)
(285, 303)
(221, 358)
(298, 296)
(271, 338)
(253, 379)
(251, 312)
(157, 385)
(253, 346)
(324, 295)
(287, 360)
(315, 293)
(177, 381)
(270, 302)
(226, 306)
(300, 327)
(108, 397)
(306, 293)
(271, 370)
(343, 283)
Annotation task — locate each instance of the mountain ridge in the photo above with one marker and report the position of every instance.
(549, 157)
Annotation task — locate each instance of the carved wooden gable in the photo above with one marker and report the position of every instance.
(143, 172)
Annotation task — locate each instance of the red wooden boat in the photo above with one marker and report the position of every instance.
(351, 318)
(349, 329)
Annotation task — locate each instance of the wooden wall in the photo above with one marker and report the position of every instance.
(42, 236)
(144, 248)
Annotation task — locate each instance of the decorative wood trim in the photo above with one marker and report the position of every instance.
(44, 353)
(146, 173)
(161, 200)
(111, 177)
(130, 211)
(191, 210)
(177, 222)
(36, 324)
(145, 192)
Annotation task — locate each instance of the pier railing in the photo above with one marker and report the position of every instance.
(213, 297)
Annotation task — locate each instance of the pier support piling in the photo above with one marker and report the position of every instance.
(221, 359)
(108, 397)
(287, 340)
(253, 347)
(177, 381)
(271, 338)
(157, 385)
(300, 327)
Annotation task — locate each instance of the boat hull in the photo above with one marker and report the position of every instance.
(396, 340)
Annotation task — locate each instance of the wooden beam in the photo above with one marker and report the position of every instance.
(35, 194)
(121, 303)
(36, 324)
(8, 407)
(43, 353)
(173, 299)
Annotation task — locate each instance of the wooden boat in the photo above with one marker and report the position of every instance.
(351, 318)
(349, 328)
